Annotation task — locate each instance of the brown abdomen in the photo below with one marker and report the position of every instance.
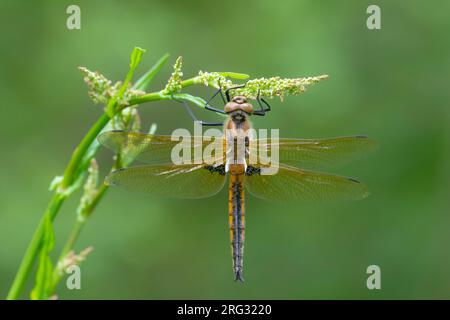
(236, 217)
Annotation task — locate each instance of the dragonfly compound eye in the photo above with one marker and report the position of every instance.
(247, 108)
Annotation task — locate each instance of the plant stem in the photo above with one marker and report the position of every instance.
(68, 178)
(75, 233)
(33, 248)
(80, 151)
(76, 230)
(189, 82)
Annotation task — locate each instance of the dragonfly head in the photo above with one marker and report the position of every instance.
(238, 108)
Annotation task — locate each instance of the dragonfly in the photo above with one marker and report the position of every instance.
(295, 178)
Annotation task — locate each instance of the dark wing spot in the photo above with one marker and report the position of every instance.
(252, 171)
(220, 169)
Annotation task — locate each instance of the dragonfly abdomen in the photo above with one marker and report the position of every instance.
(236, 217)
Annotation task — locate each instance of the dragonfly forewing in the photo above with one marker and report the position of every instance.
(160, 149)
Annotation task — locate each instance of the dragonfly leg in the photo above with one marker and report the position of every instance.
(221, 94)
(263, 110)
(203, 123)
(209, 107)
(192, 115)
(227, 92)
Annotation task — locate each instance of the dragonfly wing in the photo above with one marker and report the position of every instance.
(173, 181)
(316, 153)
(157, 149)
(295, 184)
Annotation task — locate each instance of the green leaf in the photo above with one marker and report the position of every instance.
(55, 183)
(143, 82)
(135, 59)
(42, 288)
(234, 75)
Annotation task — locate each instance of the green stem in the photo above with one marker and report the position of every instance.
(81, 220)
(147, 98)
(33, 248)
(76, 230)
(54, 206)
(75, 233)
(68, 178)
(189, 82)
(80, 151)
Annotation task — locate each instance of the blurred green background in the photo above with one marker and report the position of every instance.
(391, 84)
